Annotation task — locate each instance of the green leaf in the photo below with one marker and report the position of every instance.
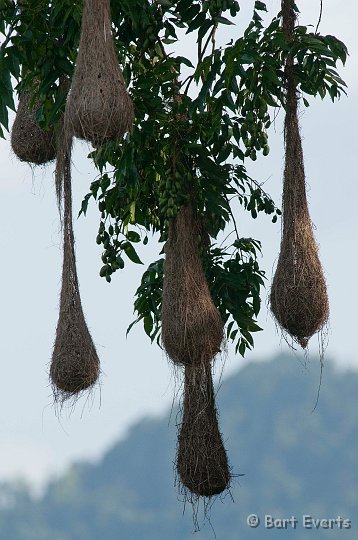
(133, 236)
(241, 347)
(4, 117)
(222, 20)
(204, 28)
(197, 22)
(131, 253)
(183, 60)
(132, 324)
(260, 6)
(148, 325)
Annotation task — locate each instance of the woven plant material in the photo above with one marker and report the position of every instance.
(99, 108)
(299, 299)
(192, 329)
(75, 365)
(202, 463)
(29, 141)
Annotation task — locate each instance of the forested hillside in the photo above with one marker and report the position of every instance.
(293, 461)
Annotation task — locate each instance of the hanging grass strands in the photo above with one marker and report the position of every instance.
(299, 299)
(99, 108)
(29, 141)
(192, 333)
(192, 329)
(75, 365)
(202, 463)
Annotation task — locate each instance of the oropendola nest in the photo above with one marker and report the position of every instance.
(202, 463)
(99, 108)
(75, 365)
(29, 141)
(299, 299)
(192, 329)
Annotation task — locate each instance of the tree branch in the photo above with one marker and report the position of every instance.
(320, 17)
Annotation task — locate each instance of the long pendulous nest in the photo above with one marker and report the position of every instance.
(192, 329)
(75, 366)
(29, 141)
(202, 463)
(299, 299)
(99, 108)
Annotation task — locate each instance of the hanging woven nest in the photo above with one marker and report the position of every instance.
(29, 142)
(75, 366)
(298, 298)
(99, 108)
(202, 463)
(192, 329)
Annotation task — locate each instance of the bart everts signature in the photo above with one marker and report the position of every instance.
(305, 521)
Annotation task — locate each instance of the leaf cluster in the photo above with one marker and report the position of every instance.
(235, 282)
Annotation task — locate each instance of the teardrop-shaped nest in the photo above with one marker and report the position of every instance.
(99, 108)
(192, 328)
(75, 366)
(29, 141)
(299, 298)
(202, 462)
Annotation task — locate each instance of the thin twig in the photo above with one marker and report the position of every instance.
(259, 186)
(320, 17)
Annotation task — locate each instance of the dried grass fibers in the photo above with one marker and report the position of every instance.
(299, 299)
(192, 329)
(99, 108)
(202, 463)
(29, 141)
(75, 366)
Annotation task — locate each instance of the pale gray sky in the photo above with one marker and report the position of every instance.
(137, 380)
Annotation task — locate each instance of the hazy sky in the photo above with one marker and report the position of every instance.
(136, 377)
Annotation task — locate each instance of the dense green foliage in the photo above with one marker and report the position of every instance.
(294, 462)
(197, 125)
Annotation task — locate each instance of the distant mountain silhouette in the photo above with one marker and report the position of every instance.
(294, 462)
